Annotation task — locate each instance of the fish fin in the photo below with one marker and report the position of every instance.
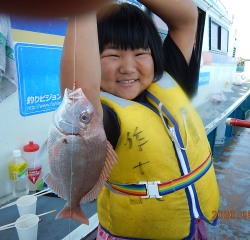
(96, 190)
(56, 146)
(49, 181)
(42, 153)
(76, 214)
(111, 154)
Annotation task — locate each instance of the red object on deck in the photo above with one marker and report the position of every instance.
(31, 147)
(237, 122)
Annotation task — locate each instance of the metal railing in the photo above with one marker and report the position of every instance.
(215, 9)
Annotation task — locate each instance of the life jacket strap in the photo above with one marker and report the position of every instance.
(158, 189)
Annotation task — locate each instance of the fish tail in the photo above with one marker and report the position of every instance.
(75, 213)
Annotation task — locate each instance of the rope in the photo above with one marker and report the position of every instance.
(71, 165)
(171, 130)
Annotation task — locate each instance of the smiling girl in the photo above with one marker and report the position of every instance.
(165, 182)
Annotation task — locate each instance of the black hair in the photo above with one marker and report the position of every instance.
(127, 27)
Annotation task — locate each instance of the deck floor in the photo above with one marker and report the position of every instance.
(232, 167)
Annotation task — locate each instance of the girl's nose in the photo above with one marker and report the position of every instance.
(128, 66)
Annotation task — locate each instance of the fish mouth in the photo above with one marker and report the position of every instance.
(68, 129)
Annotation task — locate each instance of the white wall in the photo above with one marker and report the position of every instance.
(219, 75)
(15, 132)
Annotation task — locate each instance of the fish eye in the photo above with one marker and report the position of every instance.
(84, 117)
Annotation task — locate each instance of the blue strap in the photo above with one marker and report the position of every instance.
(148, 106)
(176, 129)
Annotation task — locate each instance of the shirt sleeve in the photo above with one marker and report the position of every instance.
(110, 126)
(187, 76)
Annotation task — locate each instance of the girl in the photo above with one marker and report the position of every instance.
(165, 182)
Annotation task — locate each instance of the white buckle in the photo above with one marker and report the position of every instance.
(152, 189)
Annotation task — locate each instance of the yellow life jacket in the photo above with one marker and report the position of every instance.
(149, 151)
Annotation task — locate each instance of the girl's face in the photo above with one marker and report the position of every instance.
(126, 73)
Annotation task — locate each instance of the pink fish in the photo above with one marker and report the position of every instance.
(80, 155)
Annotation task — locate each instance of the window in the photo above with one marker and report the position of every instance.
(218, 37)
(214, 36)
(224, 40)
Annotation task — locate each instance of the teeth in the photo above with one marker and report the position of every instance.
(127, 81)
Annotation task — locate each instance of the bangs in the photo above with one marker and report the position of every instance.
(124, 26)
(123, 30)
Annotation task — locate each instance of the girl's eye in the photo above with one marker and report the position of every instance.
(114, 56)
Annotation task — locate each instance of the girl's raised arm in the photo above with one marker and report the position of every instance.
(84, 42)
(181, 18)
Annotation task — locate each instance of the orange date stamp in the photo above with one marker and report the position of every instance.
(230, 215)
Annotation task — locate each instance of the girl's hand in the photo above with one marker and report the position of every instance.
(48, 8)
(84, 42)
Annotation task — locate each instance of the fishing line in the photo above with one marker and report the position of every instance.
(72, 147)
(74, 77)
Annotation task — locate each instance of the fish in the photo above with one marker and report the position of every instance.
(81, 157)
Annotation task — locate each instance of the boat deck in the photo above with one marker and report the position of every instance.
(231, 162)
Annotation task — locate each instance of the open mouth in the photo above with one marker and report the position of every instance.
(126, 82)
(67, 128)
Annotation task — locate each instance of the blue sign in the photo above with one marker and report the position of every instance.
(204, 78)
(38, 78)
